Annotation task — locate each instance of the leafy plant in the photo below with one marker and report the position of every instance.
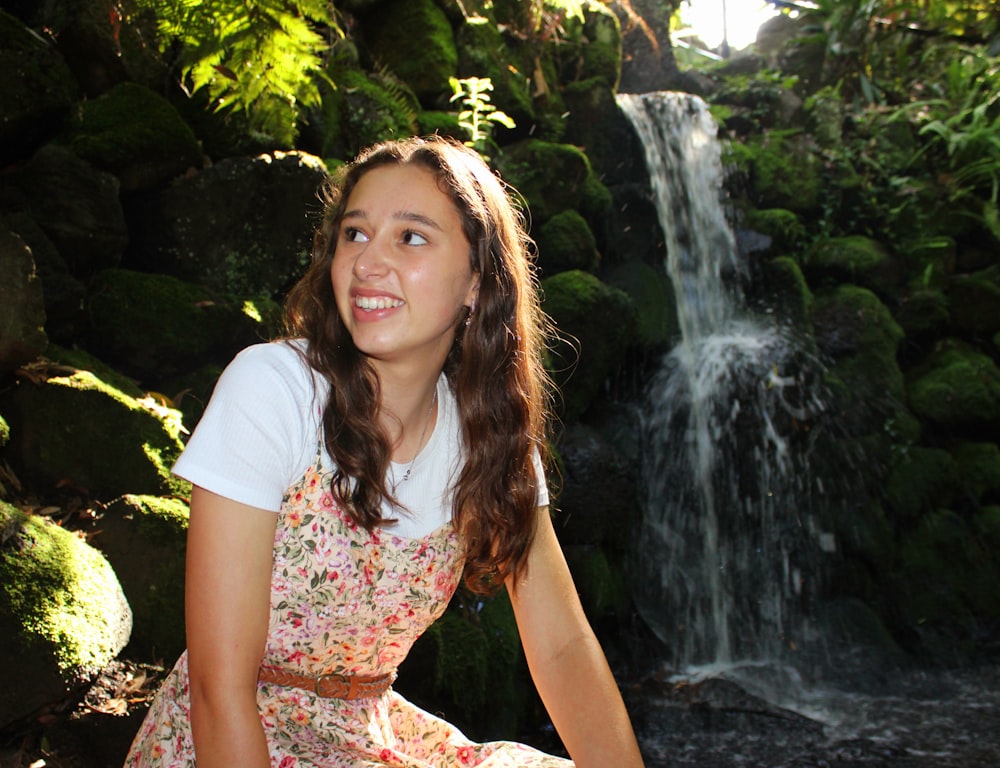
(478, 115)
(264, 57)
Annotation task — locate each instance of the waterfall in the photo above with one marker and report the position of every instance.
(725, 561)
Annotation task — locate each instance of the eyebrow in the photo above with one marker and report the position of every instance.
(417, 218)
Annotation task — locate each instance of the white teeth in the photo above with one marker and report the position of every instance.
(369, 303)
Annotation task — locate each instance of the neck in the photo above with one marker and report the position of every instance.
(408, 417)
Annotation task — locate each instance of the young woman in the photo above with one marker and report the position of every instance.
(346, 478)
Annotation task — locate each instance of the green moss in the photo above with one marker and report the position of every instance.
(136, 134)
(920, 480)
(978, 468)
(551, 177)
(958, 387)
(784, 227)
(852, 259)
(413, 38)
(923, 313)
(788, 288)
(950, 577)
(155, 325)
(79, 427)
(653, 299)
(4, 431)
(154, 583)
(859, 332)
(63, 592)
(566, 242)
(975, 301)
(596, 325)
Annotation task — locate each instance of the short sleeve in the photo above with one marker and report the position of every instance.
(543, 487)
(258, 429)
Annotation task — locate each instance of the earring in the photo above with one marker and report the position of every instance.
(468, 317)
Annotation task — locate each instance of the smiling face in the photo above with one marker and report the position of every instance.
(401, 271)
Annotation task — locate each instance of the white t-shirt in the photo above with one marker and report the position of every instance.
(263, 428)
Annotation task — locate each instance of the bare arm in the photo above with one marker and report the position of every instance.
(566, 660)
(229, 554)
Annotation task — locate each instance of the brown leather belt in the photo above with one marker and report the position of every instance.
(331, 686)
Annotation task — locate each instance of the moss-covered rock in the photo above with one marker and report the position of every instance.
(551, 177)
(72, 427)
(923, 314)
(851, 259)
(957, 388)
(653, 299)
(144, 539)
(857, 331)
(254, 239)
(947, 583)
(975, 302)
(63, 613)
(135, 134)
(921, 479)
(157, 326)
(596, 325)
(566, 242)
(414, 39)
(978, 465)
(787, 290)
(784, 227)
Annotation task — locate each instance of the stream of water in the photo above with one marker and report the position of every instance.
(729, 560)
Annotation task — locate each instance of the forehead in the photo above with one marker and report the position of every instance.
(400, 187)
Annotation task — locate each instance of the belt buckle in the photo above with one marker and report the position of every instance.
(331, 676)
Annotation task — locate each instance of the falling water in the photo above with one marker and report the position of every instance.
(724, 565)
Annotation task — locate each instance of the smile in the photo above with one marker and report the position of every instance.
(371, 303)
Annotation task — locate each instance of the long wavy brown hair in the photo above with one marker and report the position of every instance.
(494, 366)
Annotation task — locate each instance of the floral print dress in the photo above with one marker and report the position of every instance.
(348, 601)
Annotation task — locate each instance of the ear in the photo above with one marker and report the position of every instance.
(473, 295)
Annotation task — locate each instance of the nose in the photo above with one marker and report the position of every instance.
(370, 261)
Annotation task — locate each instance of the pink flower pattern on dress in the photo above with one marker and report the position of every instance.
(343, 601)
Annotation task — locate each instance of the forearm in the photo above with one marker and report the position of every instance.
(227, 731)
(582, 698)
